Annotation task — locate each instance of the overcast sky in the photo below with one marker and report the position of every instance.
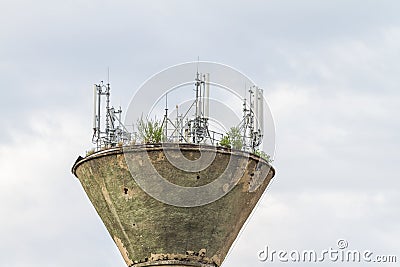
(329, 69)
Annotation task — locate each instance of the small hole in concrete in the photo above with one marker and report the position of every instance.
(126, 190)
(198, 177)
(251, 174)
(134, 224)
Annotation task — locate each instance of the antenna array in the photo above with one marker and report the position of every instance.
(252, 124)
(192, 126)
(113, 132)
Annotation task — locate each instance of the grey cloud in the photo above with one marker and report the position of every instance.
(330, 71)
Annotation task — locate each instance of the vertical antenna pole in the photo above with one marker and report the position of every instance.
(108, 112)
(108, 75)
(178, 130)
(94, 108)
(98, 115)
(200, 98)
(256, 122)
(197, 94)
(207, 97)
(251, 113)
(260, 111)
(198, 59)
(166, 117)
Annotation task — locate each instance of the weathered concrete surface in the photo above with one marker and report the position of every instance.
(151, 233)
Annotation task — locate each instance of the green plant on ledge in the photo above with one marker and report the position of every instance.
(150, 131)
(263, 155)
(90, 152)
(225, 142)
(232, 139)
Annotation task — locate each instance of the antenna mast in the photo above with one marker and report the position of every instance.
(114, 131)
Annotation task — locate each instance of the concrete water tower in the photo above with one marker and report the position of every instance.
(187, 218)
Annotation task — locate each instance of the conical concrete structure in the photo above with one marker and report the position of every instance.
(149, 232)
